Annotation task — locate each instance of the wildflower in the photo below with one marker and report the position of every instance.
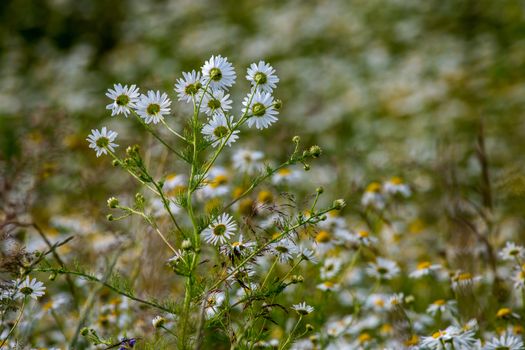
(506, 313)
(260, 110)
(396, 186)
(218, 72)
(284, 249)
(262, 75)
(459, 338)
(363, 238)
(102, 140)
(505, 341)
(238, 248)
(441, 306)
(174, 184)
(153, 107)
(463, 280)
(373, 197)
(331, 268)
(216, 183)
(188, 86)
(512, 252)
(383, 269)
(285, 175)
(424, 268)
(124, 98)
(328, 286)
(158, 321)
(220, 230)
(216, 102)
(218, 128)
(248, 161)
(303, 309)
(307, 254)
(519, 277)
(377, 302)
(213, 302)
(30, 288)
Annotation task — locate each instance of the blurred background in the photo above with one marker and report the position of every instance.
(431, 91)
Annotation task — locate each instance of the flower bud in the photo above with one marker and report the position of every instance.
(158, 321)
(319, 189)
(339, 204)
(278, 104)
(110, 217)
(84, 331)
(306, 167)
(186, 244)
(113, 202)
(115, 162)
(315, 151)
(309, 327)
(296, 139)
(52, 276)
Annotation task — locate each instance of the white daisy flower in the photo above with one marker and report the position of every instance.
(263, 75)
(248, 161)
(153, 106)
(505, 341)
(216, 102)
(30, 288)
(328, 286)
(396, 186)
(99, 140)
(218, 128)
(303, 309)
(286, 175)
(307, 255)
(260, 109)
(331, 268)
(383, 269)
(175, 184)
(361, 237)
(518, 277)
(216, 184)
(220, 230)
(377, 302)
(464, 280)
(188, 86)
(285, 249)
(441, 306)
(424, 268)
(124, 98)
(213, 303)
(373, 197)
(512, 252)
(218, 72)
(238, 248)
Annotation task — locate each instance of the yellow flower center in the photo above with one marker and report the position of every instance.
(363, 234)
(364, 337)
(323, 237)
(503, 312)
(284, 172)
(373, 187)
(438, 334)
(423, 265)
(396, 180)
(218, 181)
(439, 302)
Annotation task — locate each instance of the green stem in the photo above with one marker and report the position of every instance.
(107, 285)
(291, 334)
(18, 318)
